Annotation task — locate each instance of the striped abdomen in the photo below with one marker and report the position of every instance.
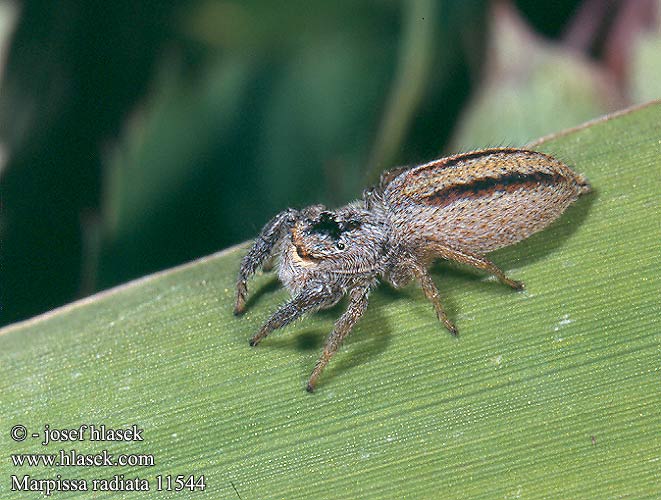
(484, 200)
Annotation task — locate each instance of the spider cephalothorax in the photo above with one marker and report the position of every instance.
(324, 236)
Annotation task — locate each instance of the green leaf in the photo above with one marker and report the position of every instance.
(548, 393)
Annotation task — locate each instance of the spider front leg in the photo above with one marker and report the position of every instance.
(357, 306)
(309, 299)
(261, 250)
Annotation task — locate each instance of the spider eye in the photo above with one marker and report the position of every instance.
(340, 245)
(326, 225)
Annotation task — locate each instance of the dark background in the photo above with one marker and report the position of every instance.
(136, 135)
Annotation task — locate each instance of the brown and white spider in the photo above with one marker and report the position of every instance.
(457, 208)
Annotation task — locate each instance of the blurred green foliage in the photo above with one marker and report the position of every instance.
(139, 135)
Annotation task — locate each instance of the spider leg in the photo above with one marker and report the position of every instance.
(261, 250)
(310, 299)
(268, 264)
(357, 306)
(431, 292)
(474, 260)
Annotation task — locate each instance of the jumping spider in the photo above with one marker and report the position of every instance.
(456, 208)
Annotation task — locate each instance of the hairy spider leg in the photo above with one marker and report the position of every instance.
(474, 260)
(358, 300)
(260, 251)
(431, 292)
(309, 299)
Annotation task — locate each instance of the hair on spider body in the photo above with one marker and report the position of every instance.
(456, 208)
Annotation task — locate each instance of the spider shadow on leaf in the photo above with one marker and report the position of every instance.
(257, 291)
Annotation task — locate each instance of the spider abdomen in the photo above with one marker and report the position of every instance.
(484, 200)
